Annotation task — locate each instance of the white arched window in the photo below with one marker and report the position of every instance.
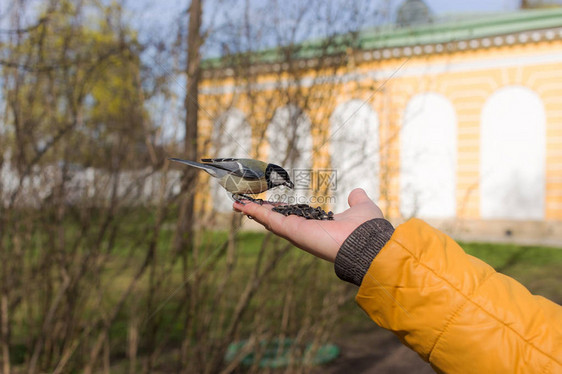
(512, 166)
(428, 158)
(290, 146)
(354, 150)
(232, 137)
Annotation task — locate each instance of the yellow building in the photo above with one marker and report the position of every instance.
(458, 123)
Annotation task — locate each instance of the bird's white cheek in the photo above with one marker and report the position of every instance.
(276, 179)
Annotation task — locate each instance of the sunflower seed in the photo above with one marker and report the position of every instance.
(304, 210)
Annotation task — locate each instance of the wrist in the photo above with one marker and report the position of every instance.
(360, 248)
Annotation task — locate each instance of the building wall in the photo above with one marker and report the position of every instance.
(464, 80)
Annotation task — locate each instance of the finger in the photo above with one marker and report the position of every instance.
(357, 196)
(263, 215)
(245, 207)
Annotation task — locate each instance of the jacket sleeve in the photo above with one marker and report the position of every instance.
(454, 310)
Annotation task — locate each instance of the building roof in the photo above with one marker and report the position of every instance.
(476, 31)
(471, 28)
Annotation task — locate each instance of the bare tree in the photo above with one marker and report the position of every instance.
(104, 263)
(184, 235)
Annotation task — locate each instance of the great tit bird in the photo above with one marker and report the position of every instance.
(241, 176)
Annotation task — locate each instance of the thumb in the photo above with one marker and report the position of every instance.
(357, 196)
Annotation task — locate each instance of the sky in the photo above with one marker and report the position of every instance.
(154, 18)
(453, 6)
(155, 15)
(151, 10)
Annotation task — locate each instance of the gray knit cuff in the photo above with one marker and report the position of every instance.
(360, 248)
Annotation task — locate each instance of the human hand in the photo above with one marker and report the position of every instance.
(321, 238)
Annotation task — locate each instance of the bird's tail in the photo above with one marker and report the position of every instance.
(208, 168)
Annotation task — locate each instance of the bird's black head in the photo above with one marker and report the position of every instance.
(275, 176)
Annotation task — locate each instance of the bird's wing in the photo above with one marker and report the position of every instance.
(209, 168)
(234, 166)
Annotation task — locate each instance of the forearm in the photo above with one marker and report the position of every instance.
(451, 308)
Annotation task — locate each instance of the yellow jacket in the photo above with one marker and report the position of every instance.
(455, 311)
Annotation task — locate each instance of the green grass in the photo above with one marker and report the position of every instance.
(537, 268)
(505, 255)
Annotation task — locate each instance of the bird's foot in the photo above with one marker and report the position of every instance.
(240, 197)
(259, 201)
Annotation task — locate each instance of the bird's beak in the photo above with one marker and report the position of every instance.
(290, 184)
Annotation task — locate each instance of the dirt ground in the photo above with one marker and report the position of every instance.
(375, 351)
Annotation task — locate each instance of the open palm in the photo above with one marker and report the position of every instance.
(321, 238)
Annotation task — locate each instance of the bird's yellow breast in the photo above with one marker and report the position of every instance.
(238, 185)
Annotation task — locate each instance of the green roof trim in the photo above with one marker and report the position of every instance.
(484, 26)
(487, 25)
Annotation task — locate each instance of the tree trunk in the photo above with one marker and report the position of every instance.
(185, 240)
